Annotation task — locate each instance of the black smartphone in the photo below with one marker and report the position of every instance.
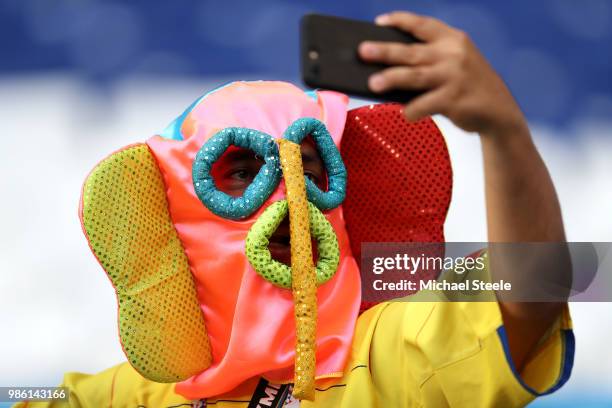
(329, 57)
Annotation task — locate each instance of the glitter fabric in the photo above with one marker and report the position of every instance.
(249, 322)
(401, 189)
(124, 214)
(302, 270)
(328, 251)
(256, 193)
(336, 172)
(276, 272)
(268, 177)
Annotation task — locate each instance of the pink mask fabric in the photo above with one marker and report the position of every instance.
(250, 322)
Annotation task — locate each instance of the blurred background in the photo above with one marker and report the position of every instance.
(81, 78)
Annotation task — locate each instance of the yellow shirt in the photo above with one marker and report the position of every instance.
(404, 354)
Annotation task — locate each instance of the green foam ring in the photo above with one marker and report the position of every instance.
(277, 273)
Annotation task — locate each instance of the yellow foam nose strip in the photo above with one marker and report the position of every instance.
(126, 220)
(303, 275)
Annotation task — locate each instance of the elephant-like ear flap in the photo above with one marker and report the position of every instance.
(124, 215)
(399, 178)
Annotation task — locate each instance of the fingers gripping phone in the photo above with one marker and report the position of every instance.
(330, 60)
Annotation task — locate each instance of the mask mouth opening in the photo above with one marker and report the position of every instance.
(279, 244)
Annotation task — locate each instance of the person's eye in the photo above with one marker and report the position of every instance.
(313, 177)
(241, 174)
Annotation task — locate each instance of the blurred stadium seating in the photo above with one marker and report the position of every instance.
(79, 79)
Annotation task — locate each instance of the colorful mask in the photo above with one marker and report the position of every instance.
(201, 301)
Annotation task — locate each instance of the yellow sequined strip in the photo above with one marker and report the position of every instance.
(304, 281)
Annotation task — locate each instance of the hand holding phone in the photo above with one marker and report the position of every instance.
(330, 59)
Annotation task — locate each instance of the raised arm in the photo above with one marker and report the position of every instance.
(522, 205)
